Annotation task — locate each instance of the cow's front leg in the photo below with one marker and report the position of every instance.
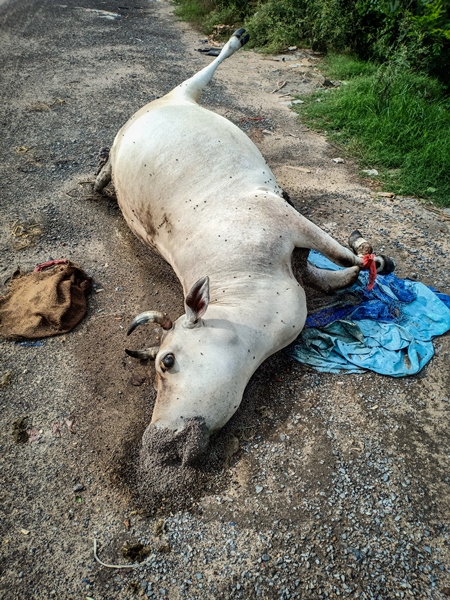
(309, 235)
(104, 177)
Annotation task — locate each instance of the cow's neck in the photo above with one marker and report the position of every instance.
(266, 309)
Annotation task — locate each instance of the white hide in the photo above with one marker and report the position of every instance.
(194, 187)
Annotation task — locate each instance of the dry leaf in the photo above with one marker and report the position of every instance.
(69, 423)
(280, 86)
(39, 107)
(6, 379)
(27, 232)
(158, 528)
(33, 435)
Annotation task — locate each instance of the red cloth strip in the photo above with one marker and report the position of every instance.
(369, 263)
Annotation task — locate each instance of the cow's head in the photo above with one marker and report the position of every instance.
(200, 378)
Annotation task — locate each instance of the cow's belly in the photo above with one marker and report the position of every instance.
(193, 186)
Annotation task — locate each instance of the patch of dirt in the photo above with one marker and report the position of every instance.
(320, 484)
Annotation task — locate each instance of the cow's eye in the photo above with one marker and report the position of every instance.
(167, 362)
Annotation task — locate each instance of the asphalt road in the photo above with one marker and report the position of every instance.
(321, 486)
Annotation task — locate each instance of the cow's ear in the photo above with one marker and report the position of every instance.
(197, 300)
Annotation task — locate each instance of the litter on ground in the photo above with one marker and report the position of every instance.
(388, 329)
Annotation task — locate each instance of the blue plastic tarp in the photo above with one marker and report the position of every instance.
(387, 330)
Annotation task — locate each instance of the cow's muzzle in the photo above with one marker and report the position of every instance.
(167, 447)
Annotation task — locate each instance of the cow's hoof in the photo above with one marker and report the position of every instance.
(388, 266)
(358, 244)
(241, 37)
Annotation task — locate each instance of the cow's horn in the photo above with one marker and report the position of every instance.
(144, 354)
(152, 316)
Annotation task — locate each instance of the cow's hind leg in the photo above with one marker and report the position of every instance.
(192, 88)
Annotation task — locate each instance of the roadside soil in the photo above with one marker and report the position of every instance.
(321, 485)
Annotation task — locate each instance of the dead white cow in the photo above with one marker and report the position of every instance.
(195, 188)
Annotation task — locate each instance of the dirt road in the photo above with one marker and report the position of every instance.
(321, 485)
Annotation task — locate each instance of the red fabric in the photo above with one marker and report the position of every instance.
(49, 263)
(369, 263)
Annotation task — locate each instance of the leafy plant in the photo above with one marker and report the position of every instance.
(391, 120)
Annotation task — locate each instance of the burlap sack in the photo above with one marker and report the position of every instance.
(44, 303)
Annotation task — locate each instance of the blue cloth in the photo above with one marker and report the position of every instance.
(387, 330)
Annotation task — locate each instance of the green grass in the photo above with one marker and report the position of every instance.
(194, 12)
(205, 14)
(344, 67)
(390, 119)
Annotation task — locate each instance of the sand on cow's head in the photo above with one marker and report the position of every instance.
(172, 464)
(169, 446)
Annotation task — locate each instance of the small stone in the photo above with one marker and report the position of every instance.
(79, 487)
(199, 576)
(258, 489)
(338, 161)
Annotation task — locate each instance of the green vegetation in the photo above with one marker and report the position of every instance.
(208, 13)
(393, 113)
(392, 120)
(379, 30)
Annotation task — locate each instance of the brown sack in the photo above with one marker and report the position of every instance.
(45, 302)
